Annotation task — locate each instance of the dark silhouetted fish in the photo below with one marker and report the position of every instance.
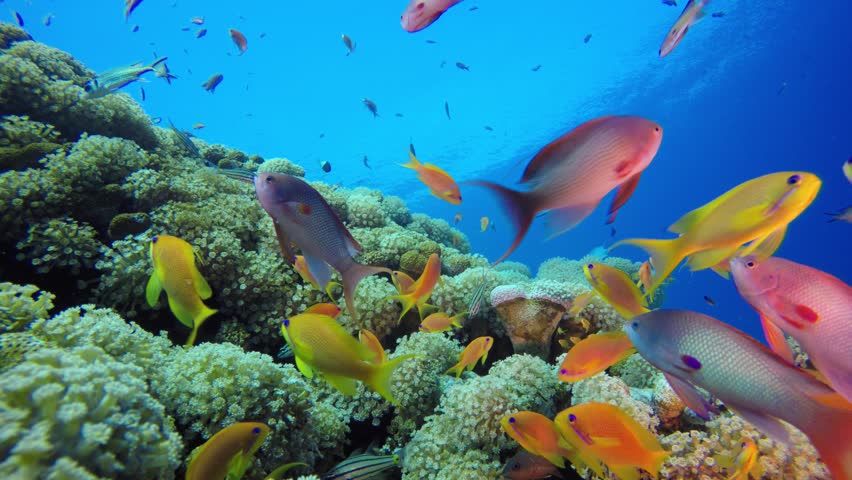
(447, 109)
(371, 106)
(462, 66)
(350, 45)
(213, 82)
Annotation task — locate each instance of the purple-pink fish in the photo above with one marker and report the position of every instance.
(129, 6)
(690, 16)
(419, 14)
(570, 176)
(808, 304)
(302, 216)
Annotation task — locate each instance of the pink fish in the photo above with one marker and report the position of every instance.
(302, 215)
(808, 304)
(695, 350)
(129, 6)
(419, 14)
(690, 16)
(239, 40)
(570, 176)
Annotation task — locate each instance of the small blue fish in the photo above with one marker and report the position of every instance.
(18, 18)
(112, 80)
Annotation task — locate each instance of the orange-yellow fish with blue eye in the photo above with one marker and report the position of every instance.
(594, 354)
(539, 436)
(228, 453)
(420, 291)
(440, 183)
(441, 322)
(176, 273)
(475, 351)
(616, 288)
(745, 461)
(402, 281)
(369, 340)
(483, 224)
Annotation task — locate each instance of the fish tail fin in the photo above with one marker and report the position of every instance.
(157, 62)
(407, 302)
(520, 208)
(457, 369)
(199, 319)
(380, 380)
(830, 436)
(351, 277)
(412, 162)
(665, 256)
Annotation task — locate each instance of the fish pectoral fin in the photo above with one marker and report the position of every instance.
(202, 288)
(709, 258)
(622, 195)
(561, 220)
(284, 243)
(319, 270)
(304, 367)
(776, 339)
(153, 290)
(769, 425)
(605, 442)
(691, 397)
(765, 247)
(625, 472)
(346, 385)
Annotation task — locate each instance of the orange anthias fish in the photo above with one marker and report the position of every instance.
(300, 214)
(419, 14)
(690, 16)
(421, 290)
(570, 176)
(538, 435)
(402, 281)
(645, 276)
(369, 340)
(301, 267)
(441, 322)
(594, 354)
(440, 183)
(457, 218)
(239, 40)
(745, 461)
(228, 453)
(616, 288)
(475, 351)
(176, 273)
(483, 224)
(328, 309)
(811, 306)
(611, 435)
(697, 351)
(753, 212)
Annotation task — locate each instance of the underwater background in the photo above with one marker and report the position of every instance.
(763, 88)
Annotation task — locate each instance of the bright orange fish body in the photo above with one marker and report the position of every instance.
(475, 351)
(440, 183)
(420, 291)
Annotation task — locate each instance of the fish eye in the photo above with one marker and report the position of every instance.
(255, 430)
(269, 179)
(487, 340)
(286, 322)
(743, 444)
(750, 264)
(516, 466)
(656, 129)
(572, 418)
(794, 179)
(154, 240)
(591, 266)
(421, 5)
(512, 420)
(563, 371)
(635, 325)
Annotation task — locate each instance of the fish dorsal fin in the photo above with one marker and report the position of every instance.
(557, 150)
(691, 397)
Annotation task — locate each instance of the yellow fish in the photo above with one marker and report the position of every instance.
(538, 435)
(441, 322)
(483, 224)
(440, 183)
(175, 272)
(420, 291)
(320, 343)
(616, 288)
(475, 351)
(369, 340)
(608, 433)
(301, 267)
(754, 212)
(228, 453)
(594, 354)
(745, 461)
(402, 281)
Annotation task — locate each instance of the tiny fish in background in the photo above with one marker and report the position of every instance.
(746, 461)
(419, 14)
(719, 14)
(847, 169)
(671, 3)
(18, 18)
(366, 162)
(201, 32)
(213, 82)
(490, 129)
(483, 224)
(198, 126)
(587, 38)
(228, 453)
(431, 42)
(135, 28)
(142, 91)
(473, 8)
(441, 322)
(239, 40)
(350, 44)
(612, 232)
(325, 166)
(457, 218)
(690, 16)
(447, 109)
(536, 68)
(183, 139)
(399, 115)
(263, 35)
(197, 20)
(371, 106)
(48, 19)
(462, 66)
(477, 297)
(129, 7)
(440, 183)
(184, 29)
(709, 301)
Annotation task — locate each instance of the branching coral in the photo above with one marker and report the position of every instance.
(22, 304)
(60, 243)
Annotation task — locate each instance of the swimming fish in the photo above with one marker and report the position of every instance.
(363, 466)
(228, 453)
(719, 14)
(608, 433)
(570, 176)
(142, 92)
(477, 297)
(350, 45)
(419, 14)
(48, 19)
(198, 126)
(527, 466)
(594, 354)
(709, 301)
(366, 162)
(369, 340)
(483, 224)
(111, 80)
(745, 461)
(184, 140)
(135, 28)
(129, 7)
(402, 281)
(847, 169)
(690, 16)
(420, 291)
(301, 267)
(457, 218)
(371, 106)
(645, 276)
(441, 322)
(440, 183)
(488, 128)
(321, 344)
(462, 66)
(670, 3)
(197, 20)
(201, 32)
(213, 82)
(753, 212)
(447, 109)
(538, 435)
(161, 70)
(325, 166)
(844, 215)
(587, 38)
(616, 288)
(696, 350)
(300, 214)
(810, 305)
(475, 351)
(239, 40)
(176, 273)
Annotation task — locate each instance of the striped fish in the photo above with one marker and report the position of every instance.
(475, 303)
(363, 467)
(184, 140)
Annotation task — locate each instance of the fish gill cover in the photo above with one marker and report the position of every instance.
(112, 135)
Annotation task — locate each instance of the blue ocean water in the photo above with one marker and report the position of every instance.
(765, 88)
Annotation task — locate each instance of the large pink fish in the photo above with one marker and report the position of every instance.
(808, 304)
(690, 16)
(302, 215)
(419, 14)
(695, 350)
(570, 176)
